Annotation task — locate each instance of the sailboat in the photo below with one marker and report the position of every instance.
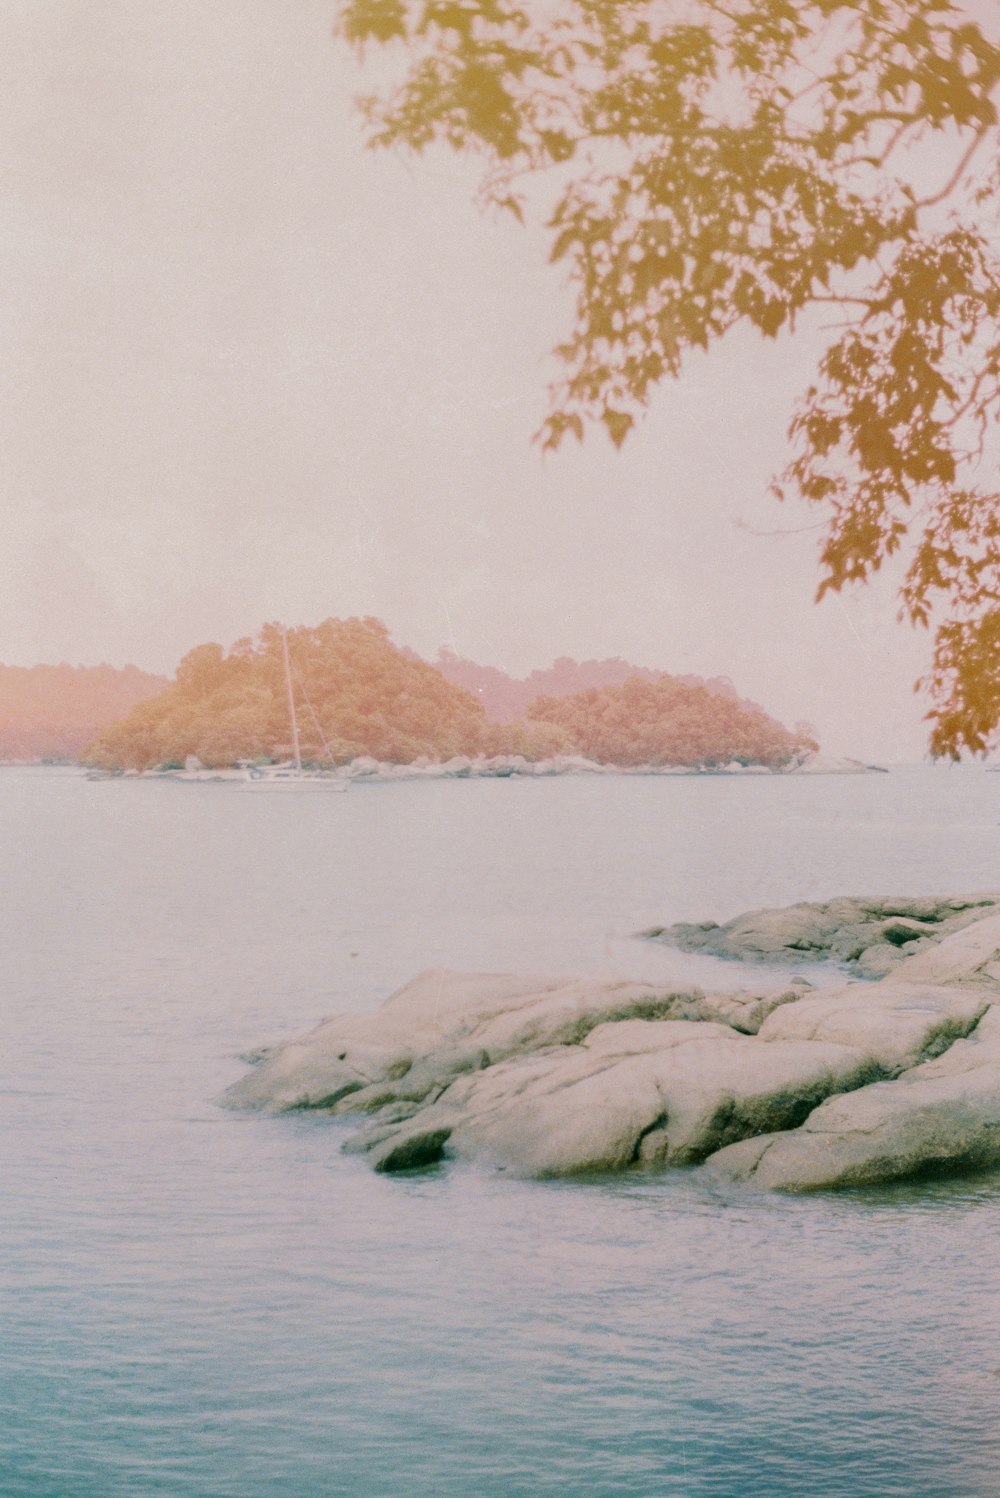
(292, 774)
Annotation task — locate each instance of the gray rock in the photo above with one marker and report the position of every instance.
(789, 1088)
(673, 1091)
(458, 768)
(824, 764)
(943, 1115)
(444, 1023)
(897, 1025)
(363, 768)
(971, 954)
(649, 1092)
(875, 935)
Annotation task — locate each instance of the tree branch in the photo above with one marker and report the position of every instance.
(956, 175)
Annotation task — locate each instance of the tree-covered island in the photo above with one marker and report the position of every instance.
(357, 694)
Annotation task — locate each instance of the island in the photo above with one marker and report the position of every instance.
(367, 708)
(788, 1085)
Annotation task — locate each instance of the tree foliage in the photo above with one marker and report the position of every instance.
(668, 722)
(717, 162)
(357, 694)
(507, 698)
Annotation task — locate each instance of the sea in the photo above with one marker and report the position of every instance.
(208, 1304)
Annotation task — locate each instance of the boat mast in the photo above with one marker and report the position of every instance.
(291, 699)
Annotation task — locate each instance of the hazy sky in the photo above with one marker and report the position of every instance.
(256, 371)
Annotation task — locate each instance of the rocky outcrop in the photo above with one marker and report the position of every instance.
(504, 766)
(652, 1092)
(871, 936)
(507, 766)
(786, 1087)
(944, 1114)
(825, 764)
(444, 1024)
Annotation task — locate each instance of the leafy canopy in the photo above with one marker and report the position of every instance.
(670, 722)
(357, 694)
(715, 162)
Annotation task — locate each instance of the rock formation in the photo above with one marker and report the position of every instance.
(871, 936)
(789, 1087)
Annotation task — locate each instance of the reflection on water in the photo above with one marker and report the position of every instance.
(204, 1304)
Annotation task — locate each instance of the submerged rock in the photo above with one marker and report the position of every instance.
(873, 936)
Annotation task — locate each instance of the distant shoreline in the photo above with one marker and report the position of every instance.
(506, 767)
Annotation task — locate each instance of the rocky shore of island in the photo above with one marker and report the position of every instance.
(502, 766)
(507, 766)
(871, 937)
(783, 1085)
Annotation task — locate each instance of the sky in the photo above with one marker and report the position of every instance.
(256, 371)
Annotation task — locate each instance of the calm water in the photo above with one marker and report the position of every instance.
(219, 1306)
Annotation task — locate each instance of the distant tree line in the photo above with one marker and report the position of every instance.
(507, 698)
(54, 712)
(357, 694)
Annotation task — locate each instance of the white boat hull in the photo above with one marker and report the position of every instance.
(293, 782)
